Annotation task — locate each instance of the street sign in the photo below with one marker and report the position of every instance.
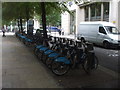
(30, 27)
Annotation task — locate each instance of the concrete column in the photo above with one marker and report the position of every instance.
(65, 23)
(78, 16)
(89, 14)
(68, 29)
(102, 9)
(113, 11)
(0, 14)
(119, 15)
(0, 46)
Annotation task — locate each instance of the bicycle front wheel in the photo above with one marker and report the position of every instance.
(60, 68)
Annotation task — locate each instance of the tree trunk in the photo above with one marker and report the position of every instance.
(21, 25)
(44, 19)
(27, 17)
(27, 26)
(18, 25)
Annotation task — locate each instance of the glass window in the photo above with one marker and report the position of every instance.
(98, 9)
(112, 30)
(106, 8)
(72, 22)
(93, 10)
(106, 11)
(102, 30)
(86, 13)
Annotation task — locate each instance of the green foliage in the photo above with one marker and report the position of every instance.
(16, 10)
(54, 18)
(53, 12)
(25, 10)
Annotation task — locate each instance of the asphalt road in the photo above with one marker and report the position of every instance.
(108, 58)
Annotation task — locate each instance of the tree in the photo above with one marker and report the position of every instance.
(25, 10)
(44, 19)
(21, 10)
(47, 10)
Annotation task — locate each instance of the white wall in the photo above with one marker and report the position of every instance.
(79, 17)
(65, 23)
(114, 15)
(65, 19)
(119, 16)
(113, 12)
(72, 7)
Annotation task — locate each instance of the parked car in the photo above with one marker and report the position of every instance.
(100, 33)
(53, 30)
(39, 32)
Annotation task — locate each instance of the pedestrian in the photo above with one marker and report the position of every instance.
(3, 30)
(62, 31)
(59, 32)
(8, 28)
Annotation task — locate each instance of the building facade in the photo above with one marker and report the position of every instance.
(92, 11)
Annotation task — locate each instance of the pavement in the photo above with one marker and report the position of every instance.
(21, 69)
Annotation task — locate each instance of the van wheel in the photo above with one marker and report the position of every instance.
(106, 44)
(78, 38)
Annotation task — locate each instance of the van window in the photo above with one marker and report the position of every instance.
(102, 30)
(112, 30)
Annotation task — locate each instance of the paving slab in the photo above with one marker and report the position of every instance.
(21, 69)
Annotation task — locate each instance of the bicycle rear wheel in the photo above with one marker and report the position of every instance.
(60, 68)
(88, 67)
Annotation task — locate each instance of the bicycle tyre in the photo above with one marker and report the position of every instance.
(44, 57)
(89, 68)
(39, 55)
(48, 62)
(59, 68)
(96, 64)
(36, 51)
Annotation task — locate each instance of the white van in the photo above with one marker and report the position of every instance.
(100, 33)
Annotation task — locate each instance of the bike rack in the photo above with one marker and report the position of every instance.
(62, 40)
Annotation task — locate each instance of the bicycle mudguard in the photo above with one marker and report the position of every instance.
(22, 37)
(62, 59)
(43, 48)
(29, 40)
(48, 52)
(39, 46)
(26, 38)
(53, 55)
(18, 34)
